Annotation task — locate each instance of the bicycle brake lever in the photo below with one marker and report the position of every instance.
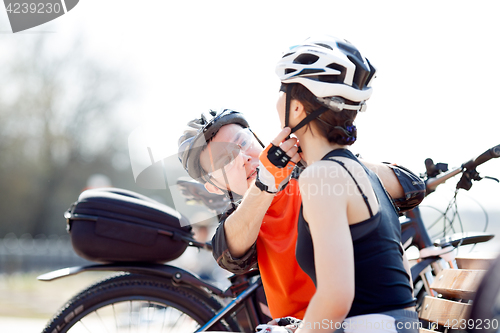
(492, 178)
(467, 177)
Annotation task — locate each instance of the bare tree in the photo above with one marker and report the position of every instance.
(57, 126)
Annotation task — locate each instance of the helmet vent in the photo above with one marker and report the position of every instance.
(349, 49)
(337, 67)
(324, 45)
(311, 71)
(361, 74)
(331, 78)
(289, 53)
(372, 73)
(306, 59)
(290, 70)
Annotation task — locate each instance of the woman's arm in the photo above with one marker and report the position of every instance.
(406, 188)
(333, 249)
(388, 178)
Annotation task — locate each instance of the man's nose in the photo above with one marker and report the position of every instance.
(246, 156)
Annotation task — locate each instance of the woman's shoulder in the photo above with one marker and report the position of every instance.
(331, 169)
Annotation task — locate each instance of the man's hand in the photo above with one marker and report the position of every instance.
(277, 162)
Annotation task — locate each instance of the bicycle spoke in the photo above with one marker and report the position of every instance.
(84, 326)
(148, 315)
(130, 318)
(102, 322)
(175, 324)
(182, 320)
(163, 322)
(114, 315)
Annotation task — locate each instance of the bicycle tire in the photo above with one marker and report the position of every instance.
(126, 301)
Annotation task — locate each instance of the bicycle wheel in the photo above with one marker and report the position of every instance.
(134, 303)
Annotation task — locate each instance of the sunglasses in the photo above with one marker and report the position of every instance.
(224, 155)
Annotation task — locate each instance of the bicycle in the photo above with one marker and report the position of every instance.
(439, 254)
(167, 298)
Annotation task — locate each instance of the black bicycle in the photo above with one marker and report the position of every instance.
(164, 298)
(439, 254)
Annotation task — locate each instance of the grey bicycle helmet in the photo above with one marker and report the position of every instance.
(198, 133)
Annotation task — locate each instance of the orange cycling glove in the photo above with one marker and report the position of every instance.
(275, 166)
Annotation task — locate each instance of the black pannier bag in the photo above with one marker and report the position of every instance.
(114, 225)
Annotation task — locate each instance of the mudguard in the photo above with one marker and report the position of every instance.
(176, 274)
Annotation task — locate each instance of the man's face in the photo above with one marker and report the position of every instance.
(231, 159)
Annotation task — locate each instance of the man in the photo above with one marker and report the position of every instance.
(260, 228)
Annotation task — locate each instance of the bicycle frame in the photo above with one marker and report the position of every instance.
(233, 305)
(413, 231)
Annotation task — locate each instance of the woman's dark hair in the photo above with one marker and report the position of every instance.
(336, 127)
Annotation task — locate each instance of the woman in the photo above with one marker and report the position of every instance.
(349, 231)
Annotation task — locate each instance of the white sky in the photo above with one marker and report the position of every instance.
(435, 94)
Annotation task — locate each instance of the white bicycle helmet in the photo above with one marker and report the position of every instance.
(330, 68)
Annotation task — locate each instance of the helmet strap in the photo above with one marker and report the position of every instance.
(228, 189)
(313, 115)
(287, 103)
(227, 192)
(256, 137)
(208, 179)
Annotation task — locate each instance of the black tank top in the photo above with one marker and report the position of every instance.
(381, 281)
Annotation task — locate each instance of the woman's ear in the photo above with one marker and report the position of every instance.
(213, 189)
(297, 111)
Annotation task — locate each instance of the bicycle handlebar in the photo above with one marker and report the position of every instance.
(484, 157)
(433, 182)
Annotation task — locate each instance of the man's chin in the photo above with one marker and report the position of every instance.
(251, 180)
(243, 185)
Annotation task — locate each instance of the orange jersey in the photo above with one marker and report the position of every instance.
(288, 289)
